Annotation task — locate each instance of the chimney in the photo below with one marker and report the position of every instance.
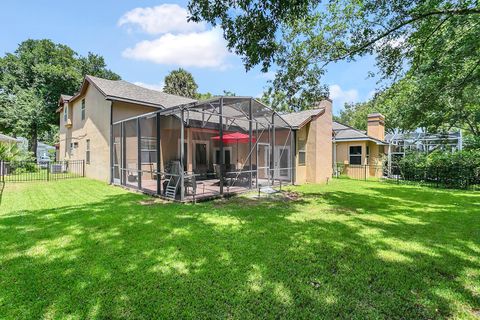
(376, 126)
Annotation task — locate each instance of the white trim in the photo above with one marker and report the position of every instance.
(215, 160)
(276, 164)
(355, 155)
(362, 139)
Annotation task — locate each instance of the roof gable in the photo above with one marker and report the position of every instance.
(121, 90)
(299, 119)
(347, 133)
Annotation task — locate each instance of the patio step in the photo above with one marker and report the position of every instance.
(171, 191)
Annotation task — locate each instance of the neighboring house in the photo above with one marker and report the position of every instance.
(43, 149)
(402, 142)
(112, 125)
(7, 139)
(353, 148)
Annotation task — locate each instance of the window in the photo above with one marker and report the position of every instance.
(226, 155)
(65, 113)
(87, 152)
(83, 109)
(368, 154)
(302, 154)
(148, 150)
(355, 155)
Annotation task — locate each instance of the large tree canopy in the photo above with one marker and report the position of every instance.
(181, 83)
(432, 45)
(31, 81)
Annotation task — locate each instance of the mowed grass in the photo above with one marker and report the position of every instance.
(82, 249)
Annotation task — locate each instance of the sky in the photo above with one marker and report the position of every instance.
(144, 40)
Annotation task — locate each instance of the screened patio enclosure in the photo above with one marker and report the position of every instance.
(203, 149)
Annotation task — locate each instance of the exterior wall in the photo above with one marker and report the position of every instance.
(124, 110)
(376, 126)
(318, 134)
(374, 160)
(95, 127)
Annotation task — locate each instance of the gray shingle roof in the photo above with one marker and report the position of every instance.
(343, 132)
(123, 90)
(298, 119)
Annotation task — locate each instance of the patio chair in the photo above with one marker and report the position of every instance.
(190, 181)
(219, 173)
(173, 179)
(132, 172)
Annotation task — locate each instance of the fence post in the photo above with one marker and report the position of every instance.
(83, 168)
(366, 172)
(48, 171)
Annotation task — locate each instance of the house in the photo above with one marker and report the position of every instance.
(402, 142)
(175, 146)
(43, 149)
(86, 119)
(7, 139)
(355, 149)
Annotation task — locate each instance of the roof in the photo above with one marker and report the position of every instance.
(299, 119)
(347, 133)
(120, 90)
(5, 138)
(65, 97)
(415, 136)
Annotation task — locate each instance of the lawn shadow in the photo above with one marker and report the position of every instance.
(331, 254)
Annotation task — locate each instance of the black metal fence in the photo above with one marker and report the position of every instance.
(460, 177)
(24, 171)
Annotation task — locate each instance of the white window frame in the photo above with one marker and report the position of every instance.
(355, 155)
(82, 110)
(65, 114)
(87, 151)
(217, 161)
(304, 151)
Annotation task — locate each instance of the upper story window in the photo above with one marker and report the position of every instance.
(65, 113)
(355, 155)
(83, 109)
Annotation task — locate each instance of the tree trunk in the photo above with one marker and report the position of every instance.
(32, 144)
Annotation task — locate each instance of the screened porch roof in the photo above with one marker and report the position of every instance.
(235, 111)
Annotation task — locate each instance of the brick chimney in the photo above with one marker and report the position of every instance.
(376, 126)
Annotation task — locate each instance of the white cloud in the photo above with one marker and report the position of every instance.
(165, 18)
(340, 96)
(194, 49)
(152, 86)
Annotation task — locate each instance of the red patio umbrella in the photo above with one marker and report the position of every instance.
(235, 137)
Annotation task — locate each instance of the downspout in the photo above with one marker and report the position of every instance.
(112, 170)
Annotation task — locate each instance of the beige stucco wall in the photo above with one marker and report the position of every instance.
(318, 134)
(375, 158)
(95, 127)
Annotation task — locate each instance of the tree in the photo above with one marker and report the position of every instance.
(42, 70)
(180, 82)
(301, 38)
(24, 114)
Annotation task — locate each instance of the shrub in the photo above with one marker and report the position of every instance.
(457, 170)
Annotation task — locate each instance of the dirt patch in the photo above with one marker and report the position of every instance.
(153, 201)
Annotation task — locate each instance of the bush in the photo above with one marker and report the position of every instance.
(459, 169)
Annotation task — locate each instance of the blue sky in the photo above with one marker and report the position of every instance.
(143, 40)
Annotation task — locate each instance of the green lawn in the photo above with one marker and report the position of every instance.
(351, 249)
